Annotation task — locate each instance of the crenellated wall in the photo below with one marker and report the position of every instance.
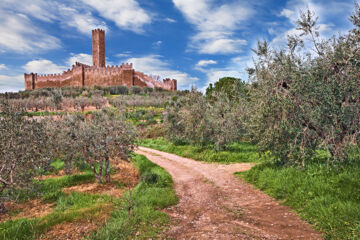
(82, 75)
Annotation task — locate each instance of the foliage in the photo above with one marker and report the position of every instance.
(98, 101)
(105, 136)
(307, 102)
(82, 103)
(236, 152)
(231, 87)
(136, 90)
(200, 121)
(327, 198)
(154, 99)
(23, 149)
(65, 140)
(138, 214)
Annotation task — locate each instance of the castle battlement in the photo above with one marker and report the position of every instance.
(82, 75)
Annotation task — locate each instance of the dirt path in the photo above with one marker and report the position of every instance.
(214, 204)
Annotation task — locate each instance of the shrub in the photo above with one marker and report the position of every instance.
(136, 90)
(81, 103)
(98, 101)
(301, 104)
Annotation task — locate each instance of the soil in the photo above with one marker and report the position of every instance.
(31, 209)
(79, 229)
(126, 175)
(214, 204)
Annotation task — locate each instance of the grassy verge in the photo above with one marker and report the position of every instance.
(138, 216)
(68, 208)
(237, 152)
(327, 198)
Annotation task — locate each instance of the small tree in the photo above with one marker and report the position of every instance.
(57, 98)
(23, 149)
(98, 101)
(81, 102)
(66, 138)
(103, 137)
(136, 90)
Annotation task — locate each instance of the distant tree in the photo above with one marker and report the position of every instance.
(136, 90)
(98, 101)
(57, 98)
(82, 102)
(230, 86)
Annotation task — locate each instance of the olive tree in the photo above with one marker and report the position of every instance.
(104, 137)
(23, 151)
(65, 138)
(308, 99)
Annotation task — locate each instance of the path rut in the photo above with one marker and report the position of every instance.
(214, 204)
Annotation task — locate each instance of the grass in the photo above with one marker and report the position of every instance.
(51, 188)
(326, 197)
(138, 215)
(237, 152)
(68, 208)
(143, 116)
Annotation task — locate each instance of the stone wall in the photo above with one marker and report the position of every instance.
(82, 75)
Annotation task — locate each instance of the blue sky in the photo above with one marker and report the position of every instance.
(194, 41)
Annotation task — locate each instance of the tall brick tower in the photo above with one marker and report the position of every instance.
(98, 47)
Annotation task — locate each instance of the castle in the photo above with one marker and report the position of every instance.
(82, 75)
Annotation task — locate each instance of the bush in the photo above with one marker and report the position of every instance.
(136, 90)
(302, 104)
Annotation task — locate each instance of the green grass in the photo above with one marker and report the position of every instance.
(50, 189)
(237, 152)
(138, 215)
(143, 116)
(68, 208)
(57, 165)
(326, 197)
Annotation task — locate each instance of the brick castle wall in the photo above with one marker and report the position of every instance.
(82, 75)
(86, 76)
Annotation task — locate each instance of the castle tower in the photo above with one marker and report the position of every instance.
(98, 47)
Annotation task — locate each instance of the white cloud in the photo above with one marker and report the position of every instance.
(83, 22)
(157, 43)
(124, 54)
(43, 66)
(11, 83)
(81, 57)
(19, 34)
(77, 16)
(170, 20)
(204, 63)
(327, 11)
(155, 65)
(235, 68)
(215, 25)
(127, 14)
(2, 67)
(287, 13)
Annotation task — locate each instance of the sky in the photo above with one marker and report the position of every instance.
(194, 41)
